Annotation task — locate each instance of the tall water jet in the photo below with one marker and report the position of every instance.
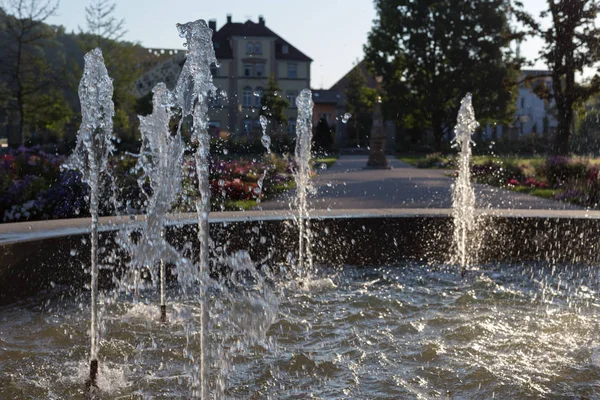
(302, 171)
(266, 142)
(463, 196)
(161, 157)
(191, 93)
(90, 158)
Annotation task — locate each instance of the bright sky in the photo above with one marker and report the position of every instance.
(331, 32)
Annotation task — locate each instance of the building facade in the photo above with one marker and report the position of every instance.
(534, 115)
(248, 54)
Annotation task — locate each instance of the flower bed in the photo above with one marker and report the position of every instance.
(33, 186)
(560, 178)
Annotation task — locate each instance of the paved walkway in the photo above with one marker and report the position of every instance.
(346, 185)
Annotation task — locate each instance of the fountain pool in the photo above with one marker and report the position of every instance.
(406, 331)
(522, 326)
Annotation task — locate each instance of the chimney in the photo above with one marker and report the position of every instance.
(261, 20)
(212, 24)
(228, 18)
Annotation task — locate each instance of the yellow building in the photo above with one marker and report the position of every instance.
(248, 53)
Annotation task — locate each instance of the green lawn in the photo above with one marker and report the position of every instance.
(329, 160)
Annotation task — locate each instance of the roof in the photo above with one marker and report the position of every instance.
(342, 84)
(252, 29)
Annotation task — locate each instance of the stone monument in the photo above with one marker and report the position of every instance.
(377, 143)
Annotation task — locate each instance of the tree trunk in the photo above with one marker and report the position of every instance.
(438, 133)
(563, 132)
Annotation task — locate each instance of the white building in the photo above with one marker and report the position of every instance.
(533, 115)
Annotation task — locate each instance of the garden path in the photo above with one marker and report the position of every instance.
(346, 185)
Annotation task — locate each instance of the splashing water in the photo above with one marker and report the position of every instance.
(90, 157)
(266, 142)
(463, 196)
(302, 177)
(160, 158)
(192, 91)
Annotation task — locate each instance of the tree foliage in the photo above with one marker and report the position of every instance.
(322, 138)
(572, 44)
(360, 103)
(430, 53)
(273, 105)
(104, 30)
(29, 78)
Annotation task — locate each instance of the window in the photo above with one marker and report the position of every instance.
(257, 48)
(523, 102)
(291, 98)
(249, 48)
(247, 126)
(292, 70)
(247, 69)
(291, 128)
(258, 94)
(259, 69)
(285, 49)
(247, 102)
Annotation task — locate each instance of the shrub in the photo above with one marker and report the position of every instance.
(559, 170)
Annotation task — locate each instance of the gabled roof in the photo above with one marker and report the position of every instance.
(342, 84)
(252, 29)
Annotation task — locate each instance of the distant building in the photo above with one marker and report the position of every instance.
(533, 115)
(248, 53)
(331, 103)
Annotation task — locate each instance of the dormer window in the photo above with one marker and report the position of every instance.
(285, 49)
(249, 48)
(257, 48)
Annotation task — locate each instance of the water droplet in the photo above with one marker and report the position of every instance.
(329, 184)
(73, 252)
(225, 151)
(346, 117)
(264, 108)
(256, 94)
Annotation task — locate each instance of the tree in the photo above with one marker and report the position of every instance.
(101, 23)
(572, 44)
(104, 30)
(322, 138)
(430, 53)
(273, 106)
(360, 103)
(24, 65)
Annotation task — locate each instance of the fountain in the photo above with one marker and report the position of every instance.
(160, 158)
(90, 158)
(398, 323)
(302, 177)
(463, 196)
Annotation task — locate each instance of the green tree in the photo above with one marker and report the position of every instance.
(24, 65)
(360, 103)
(273, 106)
(430, 53)
(104, 30)
(572, 44)
(322, 138)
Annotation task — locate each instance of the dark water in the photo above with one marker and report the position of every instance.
(405, 332)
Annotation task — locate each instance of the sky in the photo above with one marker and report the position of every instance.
(331, 32)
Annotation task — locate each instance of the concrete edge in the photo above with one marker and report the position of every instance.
(38, 230)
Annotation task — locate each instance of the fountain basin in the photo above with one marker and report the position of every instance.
(36, 256)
